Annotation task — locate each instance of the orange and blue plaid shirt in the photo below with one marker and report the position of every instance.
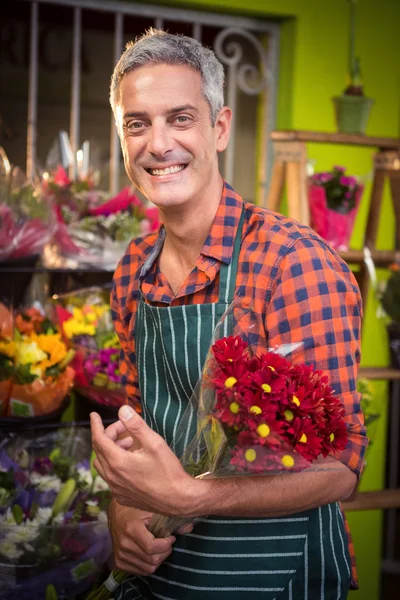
(302, 290)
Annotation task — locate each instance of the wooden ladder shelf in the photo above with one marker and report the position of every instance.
(290, 158)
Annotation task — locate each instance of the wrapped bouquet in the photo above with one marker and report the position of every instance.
(93, 229)
(85, 319)
(252, 413)
(42, 376)
(53, 522)
(27, 222)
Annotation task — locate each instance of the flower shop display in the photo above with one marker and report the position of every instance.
(53, 522)
(390, 300)
(93, 229)
(334, 198)
(352, 107)
(27, 221)
(85, 320)
(40, 373)
(253, 414)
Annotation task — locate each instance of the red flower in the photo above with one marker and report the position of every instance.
(336, 437)
(231, 376)
(229, 349)
(269, 381)
(229, 408)
(263, 433)
(306, 440)
(276, 363)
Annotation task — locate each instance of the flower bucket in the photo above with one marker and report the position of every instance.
(352, 113)
(335, 227)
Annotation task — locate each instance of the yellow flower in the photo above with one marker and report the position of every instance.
(29, 353)
(74, 327)
(112, 342)
(54, 347)
(91, 317)
(7, 348)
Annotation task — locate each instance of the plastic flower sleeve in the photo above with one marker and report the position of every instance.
(254, 412)
(27, 221)
(53, 527)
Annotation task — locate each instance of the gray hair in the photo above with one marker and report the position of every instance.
(158, 47)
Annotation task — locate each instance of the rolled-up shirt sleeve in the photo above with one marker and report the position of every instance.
(316, 302)
(127, 361)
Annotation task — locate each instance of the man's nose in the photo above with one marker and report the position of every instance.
(160, 141)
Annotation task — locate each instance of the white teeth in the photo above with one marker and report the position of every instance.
(167, 171)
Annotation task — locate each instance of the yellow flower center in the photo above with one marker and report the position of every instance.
(263, 430)
(265, 387)
(331, 437)
(256, 410)
(287, 461)
(272, 368)
(234, 407)
(289, 415)
(303, 438)
(250, 455)
(296, 401)
(230, 382)
(230, 359)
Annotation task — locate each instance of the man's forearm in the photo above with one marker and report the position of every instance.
(270, 496)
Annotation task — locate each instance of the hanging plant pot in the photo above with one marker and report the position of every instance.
(352, 113)
(393, 330)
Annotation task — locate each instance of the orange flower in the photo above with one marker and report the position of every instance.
(29, 321)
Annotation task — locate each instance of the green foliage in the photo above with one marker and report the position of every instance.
(23, 374)
(6, 367)
(391, 297)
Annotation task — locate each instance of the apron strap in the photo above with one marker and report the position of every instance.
(227, 277)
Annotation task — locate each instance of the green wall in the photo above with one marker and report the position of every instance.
(313, 69)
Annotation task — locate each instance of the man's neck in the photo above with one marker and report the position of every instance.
(186, 229)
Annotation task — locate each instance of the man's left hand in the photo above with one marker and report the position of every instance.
(150, 478)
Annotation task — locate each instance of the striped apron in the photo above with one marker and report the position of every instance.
(301, 556)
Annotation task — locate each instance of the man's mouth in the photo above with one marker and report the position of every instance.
(167, 170)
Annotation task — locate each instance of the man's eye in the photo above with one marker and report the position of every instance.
(134, 125)
(182, 119)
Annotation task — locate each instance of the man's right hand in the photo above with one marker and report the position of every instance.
(136, 550)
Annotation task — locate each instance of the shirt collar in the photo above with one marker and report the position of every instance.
(220, 241)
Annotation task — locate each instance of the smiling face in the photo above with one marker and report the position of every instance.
(169, 145)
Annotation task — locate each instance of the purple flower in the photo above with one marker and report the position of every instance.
(348, 195)
(339, 169)
(42, 465)
(325, 177)
(345, 181)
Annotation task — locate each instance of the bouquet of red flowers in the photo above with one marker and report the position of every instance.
(258, 415)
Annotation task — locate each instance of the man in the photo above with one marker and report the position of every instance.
(265, 537)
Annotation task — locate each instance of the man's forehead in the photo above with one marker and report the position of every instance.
(162, 86)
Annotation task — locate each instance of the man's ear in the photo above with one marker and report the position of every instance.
(223, 128)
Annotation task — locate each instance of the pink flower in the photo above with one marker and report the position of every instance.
(339, 169)
(121, 201)
(61, 178)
